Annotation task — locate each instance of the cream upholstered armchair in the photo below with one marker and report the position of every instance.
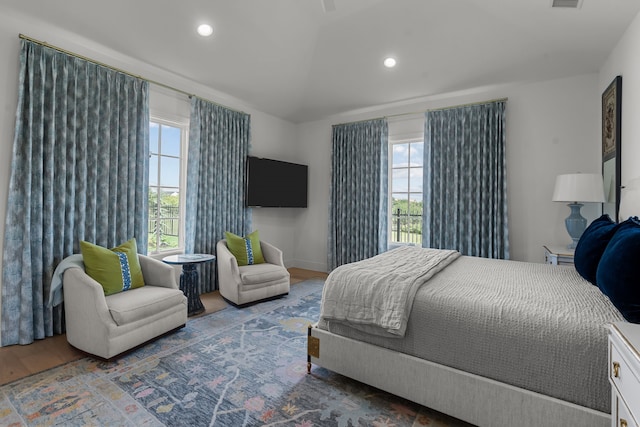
(109, 325)
(246, 284)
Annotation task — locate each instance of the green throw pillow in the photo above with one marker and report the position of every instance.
(116, 269)
(247, 249)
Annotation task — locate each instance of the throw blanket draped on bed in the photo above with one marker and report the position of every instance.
(376, 295)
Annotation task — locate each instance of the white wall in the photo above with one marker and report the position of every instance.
(271, 136)
(552, 128)
(276, 139)
(625, 61)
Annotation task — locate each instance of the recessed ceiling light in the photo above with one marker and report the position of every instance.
(389, 62)
(205, 30)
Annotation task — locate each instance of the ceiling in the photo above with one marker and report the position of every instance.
(293, 59)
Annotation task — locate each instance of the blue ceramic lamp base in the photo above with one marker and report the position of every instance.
(576, 224)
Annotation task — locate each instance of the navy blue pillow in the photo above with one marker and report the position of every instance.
(618, 274)
(591, 246)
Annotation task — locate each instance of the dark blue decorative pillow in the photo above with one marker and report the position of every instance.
(618, 275)
(591, 246)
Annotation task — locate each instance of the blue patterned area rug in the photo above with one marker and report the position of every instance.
(235, 367)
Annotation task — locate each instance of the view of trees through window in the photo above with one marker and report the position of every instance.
(164, 186)
(406, 192)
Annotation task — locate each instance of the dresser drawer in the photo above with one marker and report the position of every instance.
(623, 417)
(626, 380)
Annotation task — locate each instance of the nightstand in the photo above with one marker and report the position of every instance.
(558, 255)
(624, 374)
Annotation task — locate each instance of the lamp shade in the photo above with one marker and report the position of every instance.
(579, 187)
(630, 200)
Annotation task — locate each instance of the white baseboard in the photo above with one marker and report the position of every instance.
(307, 265)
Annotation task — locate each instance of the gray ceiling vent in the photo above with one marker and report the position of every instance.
(571, 4)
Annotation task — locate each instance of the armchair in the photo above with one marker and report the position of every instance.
(246, 284)
(109, 325)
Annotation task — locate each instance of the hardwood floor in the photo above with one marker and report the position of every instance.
(19, 361)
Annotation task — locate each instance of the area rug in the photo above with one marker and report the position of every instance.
(235, 367)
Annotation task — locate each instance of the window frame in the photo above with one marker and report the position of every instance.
(183, 125)
(406, 139)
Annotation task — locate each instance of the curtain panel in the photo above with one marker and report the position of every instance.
(359, 199)
(465, 181)
(79, 172)
(216, 162)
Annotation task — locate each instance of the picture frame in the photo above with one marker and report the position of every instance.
(611, 155)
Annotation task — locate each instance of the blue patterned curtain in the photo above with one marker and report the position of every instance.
(465, 180)
(358, 202)
(79, 172)
(218, 148)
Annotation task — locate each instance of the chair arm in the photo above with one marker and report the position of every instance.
(85, 304)
(271, 254)
(157, 273)
(229, 280)
(226, 261)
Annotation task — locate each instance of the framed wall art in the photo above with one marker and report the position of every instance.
(611, 132)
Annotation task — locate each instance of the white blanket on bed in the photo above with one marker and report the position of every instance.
(375, 295)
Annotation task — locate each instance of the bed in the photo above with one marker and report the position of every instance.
(490, 342)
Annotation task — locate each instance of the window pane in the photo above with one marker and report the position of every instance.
(170, 140)
(153, 170)
(406, 220)
(415, 182)
(415, 206)
(400, 155)
(406, 186)
(152, 243)
(398, 212)
(164, 186)
(399, 201)
(414, 222)
(169, 202)
(153, 199)
(416, 154)
(153, 211)
(400, 180)
(168, 222)
(169, 217)
(170, 171)
(153, 137)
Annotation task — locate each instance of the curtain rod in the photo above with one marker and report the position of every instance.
(120, 70)
(427, 111)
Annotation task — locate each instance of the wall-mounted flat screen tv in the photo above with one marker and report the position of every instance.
(275, 184)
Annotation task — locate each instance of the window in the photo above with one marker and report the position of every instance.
(405, 219)
(167, 143)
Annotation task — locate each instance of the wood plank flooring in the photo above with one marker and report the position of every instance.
(18, 361)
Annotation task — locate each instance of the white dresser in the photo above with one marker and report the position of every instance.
(624, 374)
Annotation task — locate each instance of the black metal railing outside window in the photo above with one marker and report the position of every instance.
(406, 227)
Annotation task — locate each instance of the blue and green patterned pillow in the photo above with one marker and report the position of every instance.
(246, 250)
(116, 269)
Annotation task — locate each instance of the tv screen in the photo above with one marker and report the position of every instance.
(275, 184)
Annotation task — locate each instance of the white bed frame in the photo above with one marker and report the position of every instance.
(466, 396)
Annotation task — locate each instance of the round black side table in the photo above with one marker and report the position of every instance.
(189, 278)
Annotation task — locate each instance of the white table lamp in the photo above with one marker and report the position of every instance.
(576, 189)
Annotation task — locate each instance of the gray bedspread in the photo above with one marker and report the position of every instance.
(535, 326)
(375, 295)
